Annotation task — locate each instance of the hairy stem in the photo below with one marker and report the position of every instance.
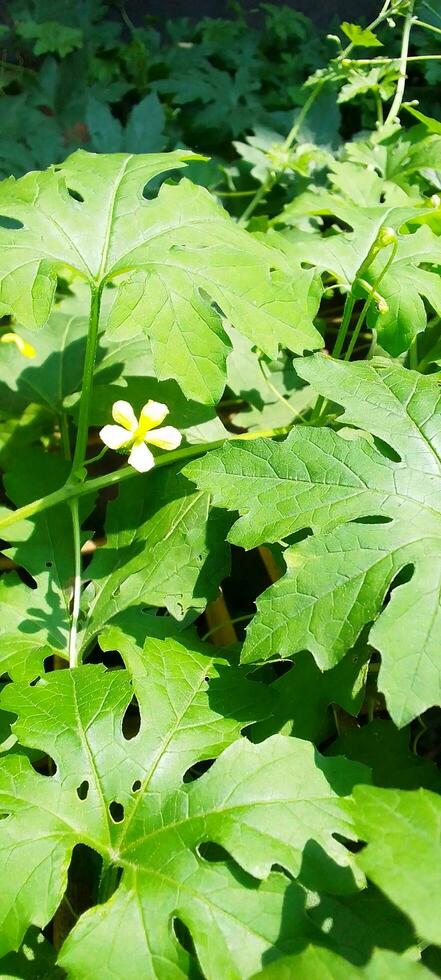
(78, 465)
(427, 27)
(336, 350)
(72, 490)
(368, 303)
(399, 94)
(86, 391)
(76, 594)
(277, 394)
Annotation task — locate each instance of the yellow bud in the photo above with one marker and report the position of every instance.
(27, 350)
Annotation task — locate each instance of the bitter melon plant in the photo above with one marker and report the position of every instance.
(205, 422)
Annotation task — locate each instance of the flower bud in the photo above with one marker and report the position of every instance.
(26, 349)
(386, 236)
(435, 200)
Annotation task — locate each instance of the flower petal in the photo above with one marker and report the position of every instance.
(114, 436)
(123, 414)
(166, 438)
(23, 346)
(152, 414)
(141, 458)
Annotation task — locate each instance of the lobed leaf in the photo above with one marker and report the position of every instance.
(191, 708)
(372, 516)
(175, 257)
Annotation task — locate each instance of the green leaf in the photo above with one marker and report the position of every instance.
(362, 37)
(164, 547)
(311, 717)
(35, 960)
(35, 621)
(56, 370)
(387, 753)
(407, 281)
(432, 124)
(50, 35)
(254, 380)
(372, 516)
(317, 962)
(379, 80)
(76, 717)
(89, 214)
(144, 132)
(356, 925)
(105, 130)
(401, 829)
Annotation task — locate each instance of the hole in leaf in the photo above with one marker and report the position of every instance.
(198, 770)
(76, 195)
(354, 846)
(131, 722)
(386, 450)
(12, 224)
(372, 519)
(83, 789)
(116, 811)
(44, 765)
(48, 564)
(211, 852)
(402, 577)
(183, 935)
(136, 786)
(153, 186)
(298, 536)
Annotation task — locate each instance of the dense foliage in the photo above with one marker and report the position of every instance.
(181, 797)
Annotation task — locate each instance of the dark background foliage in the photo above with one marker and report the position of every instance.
(322, 12)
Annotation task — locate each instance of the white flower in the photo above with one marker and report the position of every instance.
(134, 432)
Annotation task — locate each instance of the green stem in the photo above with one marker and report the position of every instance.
(232, 193)
(96, 459)
(227, 622)
(86, 391)
(64, 432)
(379, 109)
(272, 177)
(428, 27)
(292, 135)
(336, 350)
(399, 94)
(78, 465)
(368, 303)
(273, 388)
(268, 183)
(72, 490)
(390, 61)
(344, 326)
(76, 594)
